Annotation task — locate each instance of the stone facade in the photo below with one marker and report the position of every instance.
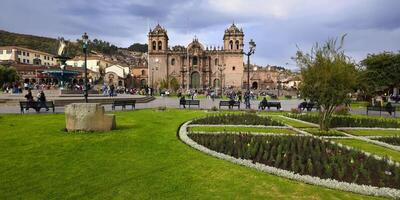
(195, 66)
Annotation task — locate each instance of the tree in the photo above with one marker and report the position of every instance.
(380, 72)
(138, 47)
(174, 84)
(7, 75)
(328, 77)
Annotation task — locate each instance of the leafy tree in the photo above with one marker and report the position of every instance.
(7, 75)
(328, 77)
(174, 84)
(380, 72)
(138, 47)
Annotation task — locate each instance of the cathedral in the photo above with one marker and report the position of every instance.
(195, 66)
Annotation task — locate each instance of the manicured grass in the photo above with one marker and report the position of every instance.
(359, 104)
(142, 159)
(317, 132)
(373, 132)
(372, 148)
(292, 122)
(240, 129)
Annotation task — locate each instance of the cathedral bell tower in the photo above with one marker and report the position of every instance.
(158, 40)
(233, 39)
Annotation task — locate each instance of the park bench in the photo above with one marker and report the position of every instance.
(24, 105)
(277, 105)
(380, 109)
(229, 104)
(123, 104)
(308, 106)
(190, 103)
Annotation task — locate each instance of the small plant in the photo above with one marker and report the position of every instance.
(295, 111)
(288, 96)
(161, 108)
(214, 108)
(342, 110)
(245, 119)
(395, 140)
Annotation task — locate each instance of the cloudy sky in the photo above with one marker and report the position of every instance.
(277, 26)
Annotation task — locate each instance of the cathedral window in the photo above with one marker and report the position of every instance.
(233, 68)
(143, 73)
(154, 45)
(194, 60)
(237, 44)
(159, 45)
(231, 45)
(173, 61)
(216, 62)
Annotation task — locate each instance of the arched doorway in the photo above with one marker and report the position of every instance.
(143, 83)
(217, 83)
(254, 86)
(195, 80)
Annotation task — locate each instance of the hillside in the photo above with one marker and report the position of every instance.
(74, 48)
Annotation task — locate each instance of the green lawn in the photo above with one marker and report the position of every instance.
(142, 159)
(241, 129)
(359, 104)
(372, 148)
(292, 122)
(318, 132)
(373, 132)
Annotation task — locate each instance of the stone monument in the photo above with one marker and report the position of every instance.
(88, 117)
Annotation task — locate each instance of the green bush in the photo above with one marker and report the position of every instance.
(235, 119)
(350, 121)
(306, 156)
(390, 140)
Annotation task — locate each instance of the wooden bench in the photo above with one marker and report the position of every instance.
(24, 105)
(123, 104)
(308, 106)
(277, 105)
(380, 109)
(229, 104)
(190, 103)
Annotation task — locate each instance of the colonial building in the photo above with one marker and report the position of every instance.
(26, 56)
(195, 66)
(94, 63)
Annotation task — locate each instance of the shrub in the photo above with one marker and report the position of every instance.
(214, 108)
(295, 111)
(351, 121)
(342, 110)
(390, 140)
(245, 119)
(311, 156)
(288, 96)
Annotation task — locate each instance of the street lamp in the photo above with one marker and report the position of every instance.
(85, 40)
(252, 49)
(221, 69)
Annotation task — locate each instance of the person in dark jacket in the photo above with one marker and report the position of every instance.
(42, 101)
(263, 104)
(30, 102)
(182, 101)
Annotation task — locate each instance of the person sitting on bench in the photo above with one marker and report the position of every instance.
(30, 102)
(182, 101)
(303, 105)
(263, 104)
(231, 102)
(42, 101)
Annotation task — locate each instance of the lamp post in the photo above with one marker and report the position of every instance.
(252, 49)
(221, 69)
(85, 40)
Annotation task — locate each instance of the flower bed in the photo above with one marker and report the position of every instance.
(305, 156)
(245, 119)
(350, 121)
(390, 140)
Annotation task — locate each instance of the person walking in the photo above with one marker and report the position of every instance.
(182, 101)
(112, 88)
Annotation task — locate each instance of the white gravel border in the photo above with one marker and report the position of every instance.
(333, 184)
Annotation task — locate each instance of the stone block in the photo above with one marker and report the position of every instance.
(88, 117)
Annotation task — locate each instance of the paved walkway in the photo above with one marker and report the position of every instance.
(173, 102)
